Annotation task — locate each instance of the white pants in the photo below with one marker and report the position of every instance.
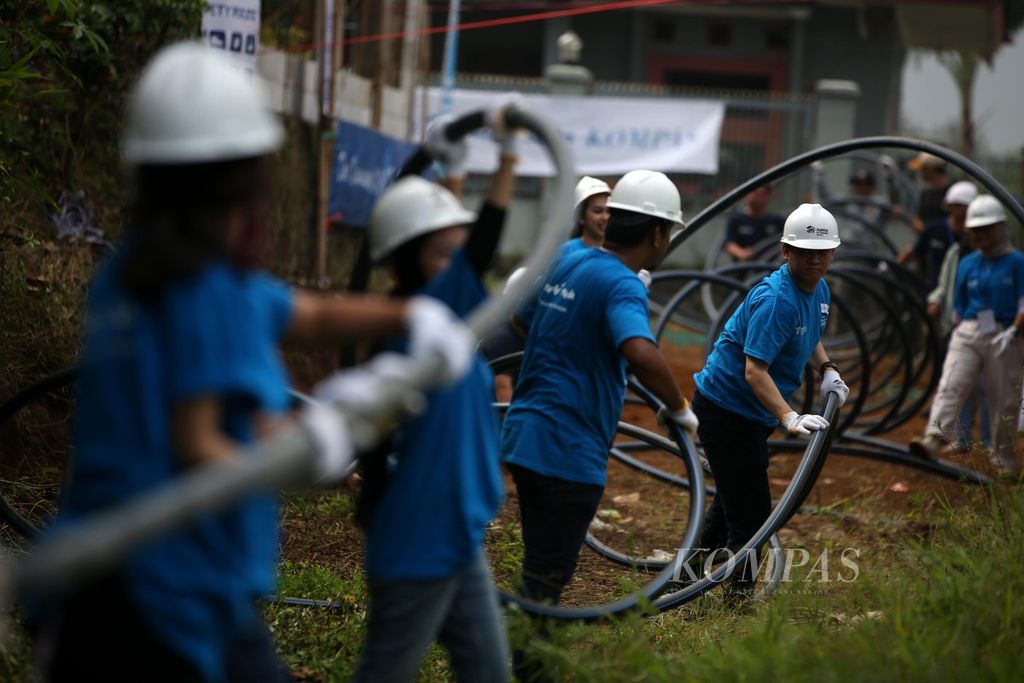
(971, 354)
(1020, 420)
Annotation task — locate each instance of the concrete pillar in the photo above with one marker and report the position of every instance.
(836, 121)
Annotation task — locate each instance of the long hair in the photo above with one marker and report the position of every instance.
(405, 263)
(178, 221)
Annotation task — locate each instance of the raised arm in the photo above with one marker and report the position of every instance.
(486, 231)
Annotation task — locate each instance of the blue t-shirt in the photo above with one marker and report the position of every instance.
(446, 484)
(507, 340)
(572, 382)
(931, 247)
(990, 284)
(215, 334)
(747, 231)
(569, 247)
(777, 323)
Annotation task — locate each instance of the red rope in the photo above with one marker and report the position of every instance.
(504, 21)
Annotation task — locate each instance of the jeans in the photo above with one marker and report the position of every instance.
(737, 450)
(555, 515)
(460, 611)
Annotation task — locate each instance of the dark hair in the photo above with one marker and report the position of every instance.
(577, 228)
(178, 220)
(628, 228)
(863, 175)
(405, 260)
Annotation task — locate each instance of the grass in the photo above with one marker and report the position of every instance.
(944, 607)
(937, 610)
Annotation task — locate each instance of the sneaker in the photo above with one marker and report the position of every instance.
(959, 447)
(926, 447)
(1005, 469)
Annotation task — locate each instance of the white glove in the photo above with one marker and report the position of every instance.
(645, 277)
(803, 425)
(435, 331)
(496, 115)
(440, 147)
(333, 439)
(1002, 341)
(514, 278)
(362, 385)
(685, 418)
(887, 161)
(831, 381)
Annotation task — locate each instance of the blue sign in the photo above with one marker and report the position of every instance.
(365, 162)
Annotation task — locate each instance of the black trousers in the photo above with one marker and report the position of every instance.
(555, 515)
(737, 450)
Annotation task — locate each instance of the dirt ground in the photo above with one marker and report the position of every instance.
(862, 503)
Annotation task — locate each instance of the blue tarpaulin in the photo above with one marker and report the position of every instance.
(364, 163)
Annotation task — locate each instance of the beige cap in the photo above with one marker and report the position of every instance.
(926, 160)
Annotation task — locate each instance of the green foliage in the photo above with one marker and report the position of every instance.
(64, 68)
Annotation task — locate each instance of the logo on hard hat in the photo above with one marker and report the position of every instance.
(810, 229)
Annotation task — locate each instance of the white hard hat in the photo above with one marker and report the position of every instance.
(409, 208)
(811, 226)
(962, 192)
(648, 192)
(193, 105)
(983, 211)
(586, 188)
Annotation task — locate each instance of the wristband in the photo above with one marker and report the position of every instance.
(825, 366)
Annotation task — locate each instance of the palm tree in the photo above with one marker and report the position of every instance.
(963, 68)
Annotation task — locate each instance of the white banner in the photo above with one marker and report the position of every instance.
(234, 26)
(607, 135)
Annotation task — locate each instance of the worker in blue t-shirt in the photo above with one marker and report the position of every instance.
(588, 323)
(757, 363)
(988, 305)
(180, 367)
(426, 506)
(590, 212)
(940, 307)
(753, 225)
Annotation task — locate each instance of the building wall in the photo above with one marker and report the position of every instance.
(865, 47)
(792, 49)
(510, 50)
(859, 44)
